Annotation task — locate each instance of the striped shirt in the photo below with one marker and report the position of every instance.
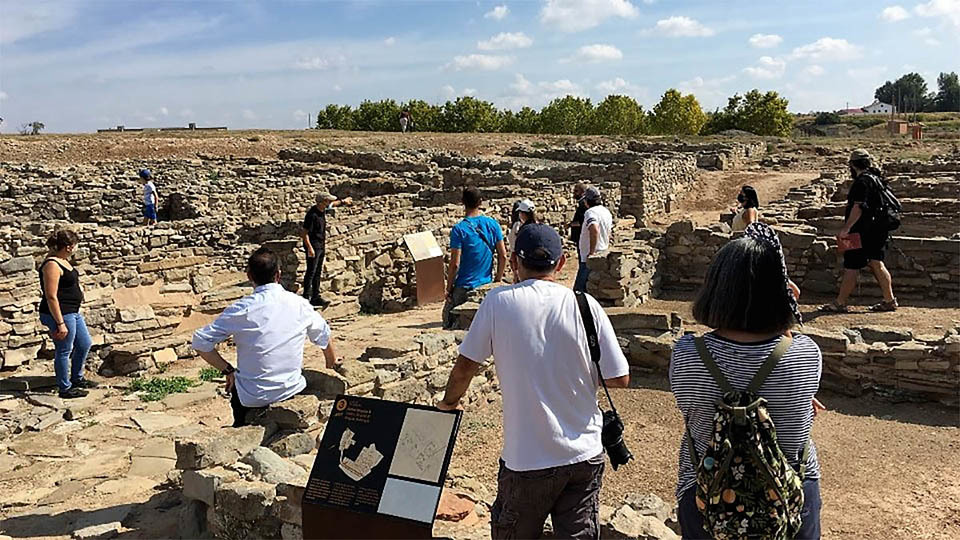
(789, 391)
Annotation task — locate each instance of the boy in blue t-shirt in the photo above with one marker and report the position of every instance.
(473, 242)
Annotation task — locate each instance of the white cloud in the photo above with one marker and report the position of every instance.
(247, 114)
(485, 62)
(618, 85)
(320, 62)
(337, 88)
(3, 95)
(613, 85)
(561, 87)
(827, 48)
(448, 90)
(894, 14)
(765, 41)
(578, 15)
(926, 34)
(22, 20)
(813, 70)
(390, 41)
(497, 13)
(505, 41)
(597, 52)
(767, 68)
(164, 111)
(521, 85)
(947, 10)
(680, 26)
(469, 91)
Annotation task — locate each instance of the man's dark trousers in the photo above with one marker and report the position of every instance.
(311, 280)
(569, 494)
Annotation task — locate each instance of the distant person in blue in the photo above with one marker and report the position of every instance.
(150, 198)
(473, 243)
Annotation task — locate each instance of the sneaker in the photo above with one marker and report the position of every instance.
(73, 392)
(84, 383)
(319, 302)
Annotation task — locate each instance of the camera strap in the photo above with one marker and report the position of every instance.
(593, 341)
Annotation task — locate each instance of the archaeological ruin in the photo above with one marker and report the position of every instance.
(148, 288)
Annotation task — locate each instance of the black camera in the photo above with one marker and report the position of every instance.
(612, 439)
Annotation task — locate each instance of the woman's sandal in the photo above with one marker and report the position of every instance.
(885, 306)
(834, 307)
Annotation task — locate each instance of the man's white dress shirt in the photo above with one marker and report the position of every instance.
(269, 327)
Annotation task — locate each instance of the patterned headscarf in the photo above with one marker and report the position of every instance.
(764, 234)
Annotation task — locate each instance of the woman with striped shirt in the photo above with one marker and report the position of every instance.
(747, 302)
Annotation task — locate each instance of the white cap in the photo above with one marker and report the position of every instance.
(525, 205)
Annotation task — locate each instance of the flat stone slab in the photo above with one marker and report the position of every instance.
(97, 532)
(66, 491)
(27, 383)
(155, 422)
(150, 467)
(49, 401)
(42, 445)
(178, 401)
(127, 486)
(157, 447)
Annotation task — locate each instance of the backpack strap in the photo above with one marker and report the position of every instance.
(804, 455)
(712, 367)
(769, 364)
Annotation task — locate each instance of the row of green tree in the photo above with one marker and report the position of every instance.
(675, 114)
(909, 93)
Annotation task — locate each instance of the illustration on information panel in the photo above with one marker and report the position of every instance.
(358, 468)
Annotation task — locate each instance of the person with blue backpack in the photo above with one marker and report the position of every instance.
(747, 466)
(474, 244)
(871, 214)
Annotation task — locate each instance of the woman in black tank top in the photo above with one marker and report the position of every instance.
(60, 312)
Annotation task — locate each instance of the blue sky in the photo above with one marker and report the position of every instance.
(79, 65)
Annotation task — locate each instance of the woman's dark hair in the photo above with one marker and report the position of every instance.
(263, 266)
(515, 213)
(531, 213)
(750, 197)
(744, 290)
(62, 239)
(862, 164)
(471, 198)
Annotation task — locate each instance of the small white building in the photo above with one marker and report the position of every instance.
(878, 107)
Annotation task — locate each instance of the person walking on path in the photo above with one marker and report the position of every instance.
(314, 236)
(594, 234)
(60, 312)
(473, 243)
(270, 328)
(552, 461)
(747, 301)
(863, 205)
(151, 199)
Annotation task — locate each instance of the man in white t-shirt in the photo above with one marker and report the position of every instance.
(270, 328)
(150, 198)
(594, 234)
(552, 461)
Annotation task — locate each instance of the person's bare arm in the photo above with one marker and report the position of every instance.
(749, 216)
(594, 231)
(458, 383)
(51, 284)
(330, 355)
(305, 236)
(501, 261)
(855, 213)
(348, 201)
(452, 269)
(618, 382)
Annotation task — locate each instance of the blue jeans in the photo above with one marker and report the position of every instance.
(691, 520)
(583, 273)
(71, 352)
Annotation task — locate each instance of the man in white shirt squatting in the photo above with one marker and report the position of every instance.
(594, 234)
(269, 327)
(552, 460)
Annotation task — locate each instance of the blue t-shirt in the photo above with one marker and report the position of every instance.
(476, 256)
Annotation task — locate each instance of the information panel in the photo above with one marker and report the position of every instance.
(382, 461)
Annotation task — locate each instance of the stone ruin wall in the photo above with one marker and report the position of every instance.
(926, 268)
(148, 288)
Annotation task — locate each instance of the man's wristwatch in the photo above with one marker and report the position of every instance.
(230, 369)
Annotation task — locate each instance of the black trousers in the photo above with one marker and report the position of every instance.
(239, 410)
(311, 280)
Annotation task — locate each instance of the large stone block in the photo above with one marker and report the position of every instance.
(136, 313)
(289, 444)
(202, 485)
(16, 265)
(272, 468)
(356, 372)
(827, 341)
(247, 501)
(325, 383)
(406, 391)
(217, 446)
(885, 334)
(298, 412)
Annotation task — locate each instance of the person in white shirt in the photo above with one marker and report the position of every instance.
(552, 460)
(269, 327)
(594, 234)
(150, 198)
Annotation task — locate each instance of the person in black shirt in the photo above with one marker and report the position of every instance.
(314, 235)
(863, 201)
(577, 222)
(60, 312)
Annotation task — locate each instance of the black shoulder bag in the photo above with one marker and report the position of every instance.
(612, 434)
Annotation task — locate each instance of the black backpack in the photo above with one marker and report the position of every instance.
(885, 207)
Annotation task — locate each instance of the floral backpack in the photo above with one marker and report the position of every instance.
(746, 488)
